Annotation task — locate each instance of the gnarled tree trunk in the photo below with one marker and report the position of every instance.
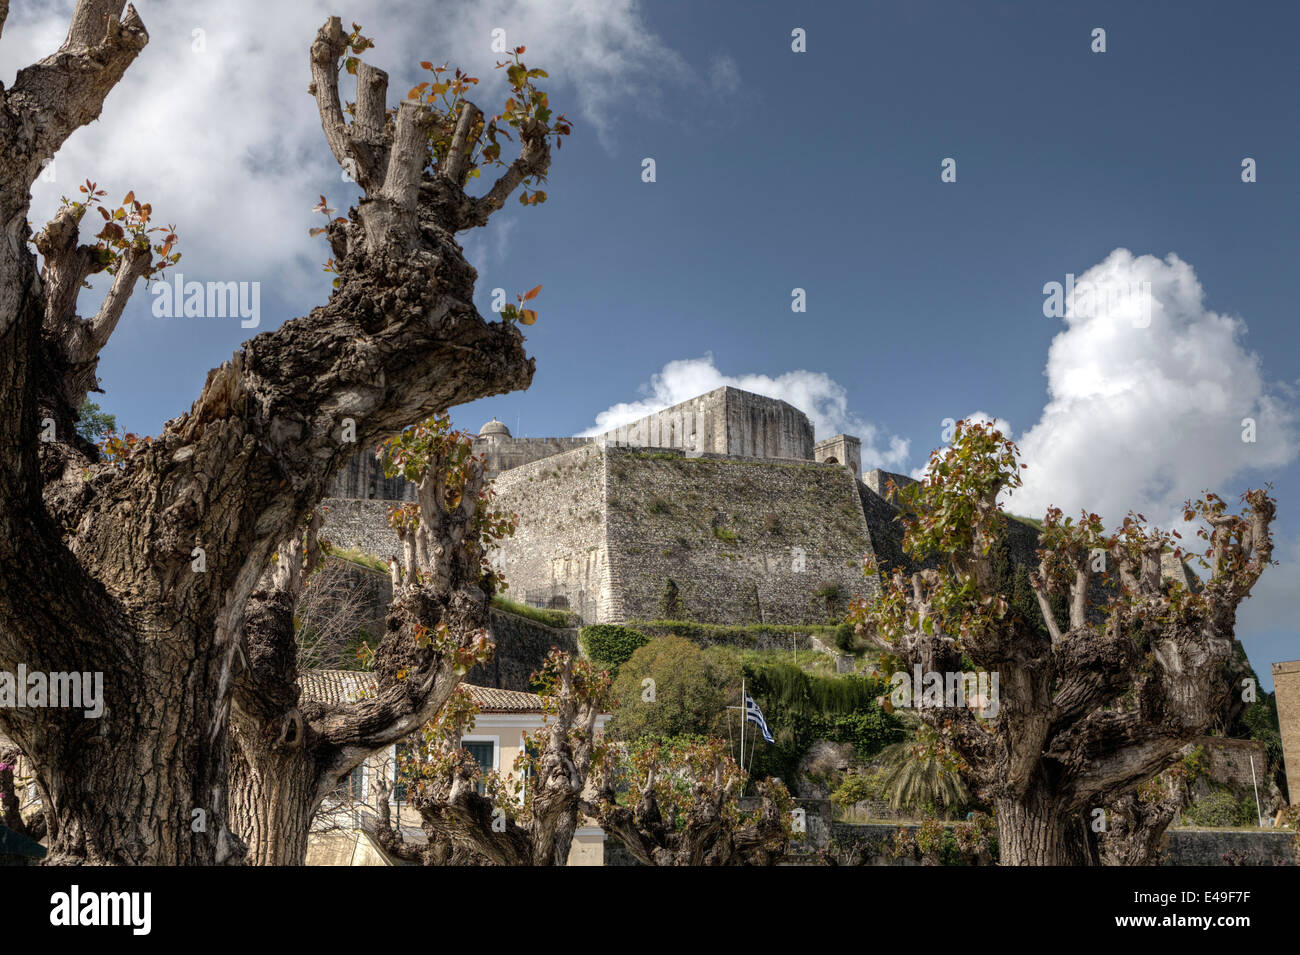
(274, 787)
(142, 572)
(464, 825)
(707, 831)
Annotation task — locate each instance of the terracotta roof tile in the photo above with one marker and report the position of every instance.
(342, 686)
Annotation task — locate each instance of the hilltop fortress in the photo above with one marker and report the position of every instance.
(727, 495)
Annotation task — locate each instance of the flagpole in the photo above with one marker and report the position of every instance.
(744, 718)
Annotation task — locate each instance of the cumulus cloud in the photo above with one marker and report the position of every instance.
(816, 394)
(1148, 390)
(214, 127)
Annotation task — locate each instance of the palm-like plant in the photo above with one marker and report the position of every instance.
(915, 778)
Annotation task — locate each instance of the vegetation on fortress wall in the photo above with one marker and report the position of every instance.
(752, 635)
(559, 619)
(609, 646)
(693, 688)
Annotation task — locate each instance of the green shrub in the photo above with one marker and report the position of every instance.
(851, 791)
(830, 592)
(609, 645)
(846, 637)
(1221, 809)
(691, 692)
(670, 602)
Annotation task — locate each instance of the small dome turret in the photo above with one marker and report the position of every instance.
(494, 427)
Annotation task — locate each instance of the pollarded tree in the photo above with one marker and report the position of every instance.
(677, 802)
(530, 816)
(1137, 820)
(289, 755)
(1088, 708)
(142, 571)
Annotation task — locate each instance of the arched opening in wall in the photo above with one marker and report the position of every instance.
(831, 460)
(853, 466)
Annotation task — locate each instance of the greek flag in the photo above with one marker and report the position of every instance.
(754, 715)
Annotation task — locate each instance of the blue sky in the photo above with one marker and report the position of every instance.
(819, 170)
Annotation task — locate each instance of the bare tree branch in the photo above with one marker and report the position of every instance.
(456, 166)
(66, 90)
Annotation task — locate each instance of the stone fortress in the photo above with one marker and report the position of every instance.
(730, 498)
(727, 495)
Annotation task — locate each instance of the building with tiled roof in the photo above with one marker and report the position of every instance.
(344, 686)
(496, 740)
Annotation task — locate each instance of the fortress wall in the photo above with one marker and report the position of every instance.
(1228, 761)
(695, 425)
(845, 449)
(878, 480)
(362, 477)
(361, 524)
(516, 452)
(1286, 684)
(559, 549)
(745, 540)
(522, 646)
(723, 421)
(759, 427)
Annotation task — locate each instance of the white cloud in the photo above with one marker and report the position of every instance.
(226, 143)
(816, 394)
(1144, 418)
(724, 76)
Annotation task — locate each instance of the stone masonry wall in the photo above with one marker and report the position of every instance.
(522, 646)
(723, 421)
(362, 525)
(363, 477)
(699, 424)
(759, 427)
(1228, 762)
(558, 556)
(522, 643)
(503, 453)
(745, 541)
(1286, 684)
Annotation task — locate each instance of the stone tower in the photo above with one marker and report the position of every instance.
(1286, 684)
(842, 449)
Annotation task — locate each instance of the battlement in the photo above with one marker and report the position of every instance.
(725, 421)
